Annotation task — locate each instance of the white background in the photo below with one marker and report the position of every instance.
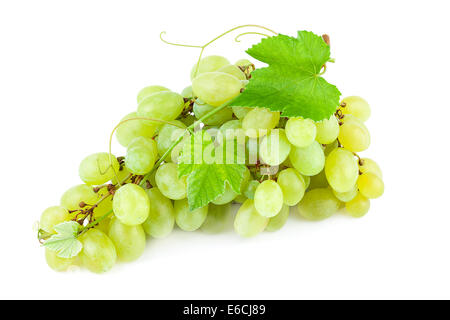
(69, 70)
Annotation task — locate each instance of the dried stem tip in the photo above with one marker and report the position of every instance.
(326, 38)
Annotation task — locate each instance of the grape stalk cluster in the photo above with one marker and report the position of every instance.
(290, 162)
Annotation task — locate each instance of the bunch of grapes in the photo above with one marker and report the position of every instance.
(290, 162)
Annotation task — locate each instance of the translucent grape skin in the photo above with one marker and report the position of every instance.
(241, 112)
(346, 196)
(292, 186)
(301, 132)
(368, 165)
(274, 147)
(129, 241)
(218, 118)
(356, 106)
(248, 222)
(318, 181)
(168, 134)
(57, 263)
(129, 130)
(168, 182)
(234, 71)
(148, 91)
(219, 219)
(358, 206)
(53, 216)
(228, 196)
(341, 169)
(308, 161)
(161, 218)
(277, 222)
(370, 185)
(96, 168)
(268, 199)
(98, 253)
(189, 220)
(258, 120)
(131, 204)
(327, 130)
(208, 64)
(353, 134)
(164, 105)
(216, 88)
(141, 155)
(187, 92)
(72, 198)
(318, 204)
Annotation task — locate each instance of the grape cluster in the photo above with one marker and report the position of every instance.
(289, 162)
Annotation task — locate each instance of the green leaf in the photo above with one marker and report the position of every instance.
(291, 83)
(65, 242)
(208, 169)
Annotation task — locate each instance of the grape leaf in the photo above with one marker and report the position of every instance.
(65, 242)
(292, 82)
(208, 170)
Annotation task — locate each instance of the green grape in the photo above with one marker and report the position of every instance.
(327, 130)
(370, 185)
(353, 135)
(57, 263)
(307, 180)
(249, 192)
(141, 155)
(164, 105)
(98, 253)
(248, 222)
(216, 88)
(318, 204)
(358, 206)
(121, 175)
(252, 151)
(189, 220)
(258, 121)
(104, 225)
(330, 147)
(105, 205)
(219, 219)
(168, 182)
(230, 125)
(341, 169)
(161, 219)
(244, 63)
(188, 120)
(53, 216)
(268, 198)
(346, 196)
(275, 147)
(241, 112)
(128, 240)
(131, 204)
(72, 198)
(292, 185)
(368, 165)
(208, 64)
(234, 71)
(228, 196)
(277, 222)
(96, 168)
(318, 181)
(356, 106)
(218, 118)
(148, 91)
(240, 199)
(168, 134)
(301, 132)
(129, 130)
(308, 161)
(187, 93)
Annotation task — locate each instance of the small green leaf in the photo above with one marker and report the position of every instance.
(291, 83)
(65, 242)
(208, 172)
